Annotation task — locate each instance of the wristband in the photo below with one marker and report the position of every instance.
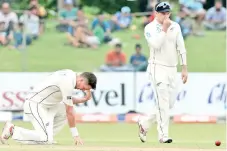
(74, 131)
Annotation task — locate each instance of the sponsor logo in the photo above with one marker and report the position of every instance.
(218, 94)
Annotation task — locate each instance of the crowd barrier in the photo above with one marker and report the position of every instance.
(203, 98)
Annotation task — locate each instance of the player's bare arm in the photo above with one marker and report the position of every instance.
(72, 124)
(84, 99)
(184, 73)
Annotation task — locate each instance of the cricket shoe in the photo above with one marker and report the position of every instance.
(166, 140)
(142, 132)
(7, 132)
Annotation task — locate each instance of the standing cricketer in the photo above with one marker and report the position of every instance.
(166, 45)
(50, 106)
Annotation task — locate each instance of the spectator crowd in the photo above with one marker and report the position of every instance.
(193, 18)
(72, 20)
(12, 27)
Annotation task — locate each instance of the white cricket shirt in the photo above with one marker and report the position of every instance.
(12, 16)
(165, 47)
(55, 88)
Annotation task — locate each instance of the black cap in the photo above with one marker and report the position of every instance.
(162, 7)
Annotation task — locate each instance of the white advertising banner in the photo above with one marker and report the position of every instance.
(204, 94)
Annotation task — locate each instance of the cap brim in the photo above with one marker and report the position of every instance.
(163, 11)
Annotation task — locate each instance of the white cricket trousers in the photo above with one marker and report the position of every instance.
(47, 122)
(163, 81)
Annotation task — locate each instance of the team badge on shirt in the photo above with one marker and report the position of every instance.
(158, 29)
(148, 35)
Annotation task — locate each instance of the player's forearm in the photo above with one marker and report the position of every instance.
(84, 99)
(79, 100)
(70, 115)
(72, 125)
(184, 68)
(72, 121)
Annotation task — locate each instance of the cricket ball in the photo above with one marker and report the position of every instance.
(218, 143)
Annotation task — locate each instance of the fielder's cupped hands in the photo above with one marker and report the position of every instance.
(184, 74)
(166, 23)
(78, 140)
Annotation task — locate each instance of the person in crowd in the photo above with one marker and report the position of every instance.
(121, 20)
(101, 27)
(42, 13)
(3, 40)
(66, 16)
(29, 21)
(79, 34)
(216, 17)
(138, 60)
(185, 24)
(10, 19)
(195, 10)
(116, 61)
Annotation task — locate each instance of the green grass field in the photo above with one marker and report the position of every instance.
(123, 137)
(205, 54)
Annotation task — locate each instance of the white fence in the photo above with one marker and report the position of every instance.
(204, 94)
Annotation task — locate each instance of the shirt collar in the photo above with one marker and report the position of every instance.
(157, 22)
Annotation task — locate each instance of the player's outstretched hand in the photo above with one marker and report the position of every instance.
(78, 140)
(184, 74)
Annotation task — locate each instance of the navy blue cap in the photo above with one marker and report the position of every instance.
(162, 7)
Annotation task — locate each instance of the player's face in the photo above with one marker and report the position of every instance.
(161, 16)
(82, 84)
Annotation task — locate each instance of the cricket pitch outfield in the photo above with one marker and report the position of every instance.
(124, 137)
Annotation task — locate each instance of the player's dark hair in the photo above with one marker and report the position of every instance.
(92, 79)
